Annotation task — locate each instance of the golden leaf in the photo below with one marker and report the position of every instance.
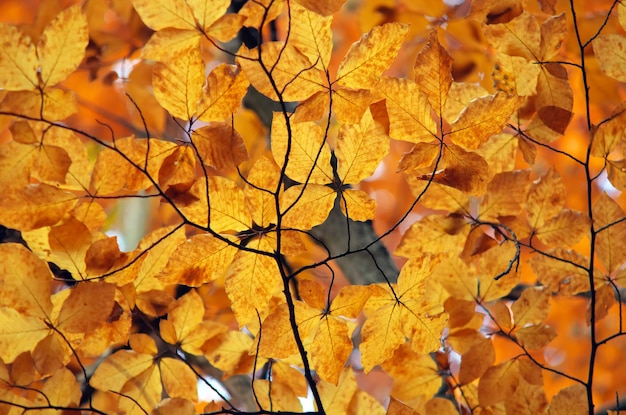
(178, 83)
(308, 206)
(349, 105)
(609, 215)
(275, 338)
(281, 71)
(331, 348)
(491, 264)
(119, 368)
(223, 93)
(57, 104)
(228, 350)
(69, 243)
(61, 389)
(251, 281)
(515, 75)
(571, 400)
(370, 56)
(360, 148)
(220, 146)
(62, 45)
(358, 206)
(228, 210)
(482, 118)
(433, 72)
(440, 406)
(610, 50)
(566, 274)
(608, 135)
(532, 307)
(207, 12)
(277, 396)
(536, 336)
(459, 96)
(145, 390)
(311, 34)
(308, 160)
(178, 379)
(199, 260)
(505, 195)
(161, 14)
(528, 399)
(498, 383)
(185, 315)
(565, 229)
(431, 235)
(263, 180)
(519, 37)
(476, 360)
(605, 299)
(415, 375)
(87, 307)
(166, 44)
(616, 172)
(349, 301)
(323, 7)
(463, 170)
(19, 333)
(499, 152)
(178, 171)
(408, 110)
(26, 281)
(453, 275)
(18, 60)
(546, 198)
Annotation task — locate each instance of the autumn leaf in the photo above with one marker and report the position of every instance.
(18, 60)
(610, 52)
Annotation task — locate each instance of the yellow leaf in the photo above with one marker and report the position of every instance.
(199, 260)
(414, 374)
(349, 301)
(25, 280)
(536, 336)
(565, 229)
(553, 34)
(143, 343)
(61, 389)
(87, 307)
(179, 406)
(364, 63)
(69, 243)
(336, 399)
(433, 72)
(532, 307)
(16, 161)
(609, 215)
(261, 12)
(146, 391)
(119, 368)
(605, 299)
(608, 135)
(62, 45)
(308, 160)
(440, 406)
(220, 146)
(528, 399)
(482, 118)
(169, 238)
(251, 281)
(18, 60)
(499, 152)
(519, 37)
(161, 14)
(360, 148)
(227, 26)
(19, 333)
(505, 196)
(277, 396)
(546, 198)
(223, 93)
(349, 105)
(284, 72)
(571, 400)
(566, 275)
(311, 205)
(313, 294)
(431, 235)
(422, 155)
(476, 359)
(275, 338)
(408, 109)
(185, 315)
(311, 34)
(365, 404)
(260, 192)
(358, 206)
(463, 170)
(498, 383)
(57, 103)
(515, 75)
(453, 275)
(610, 50)
(207, 12)
(178, 379)
(227, 350)
(323, 7)
(491, 264)
(166, 44)
(331, 348)
(459, 96)
(178, 171)
(178, 84)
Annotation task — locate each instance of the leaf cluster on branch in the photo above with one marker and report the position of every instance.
(254, 152)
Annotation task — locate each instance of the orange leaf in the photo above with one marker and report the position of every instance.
(610, 50)
(87, 307)
(19, 333)
(220, 146)
(433, 74)
(498, 383)
(607, 213)
(532, 307)
(536, 336)
(571, 400)
(545, 199)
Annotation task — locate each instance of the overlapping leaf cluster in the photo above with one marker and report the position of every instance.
(220, 289)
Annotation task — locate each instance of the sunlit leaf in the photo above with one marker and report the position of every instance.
(536, 336)
(532, 307)
(220, 146)
(19, 333)
(570, 400)
(370, 56)
(498, 383)
(311, 205)
(433, 72)
(476, 360)
(119, 368)
(18, 60)
(546, 198)
(311, 32)
(62, 45)
(207, 12)
(223, 93)
(610, 50)
(178, 379)
(165, 13)
(88, 306)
